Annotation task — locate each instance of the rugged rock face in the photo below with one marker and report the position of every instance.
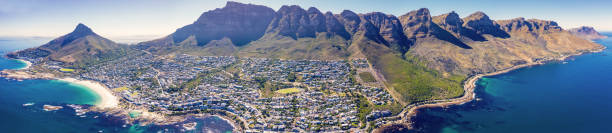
(295, 22)
(335, 27)
(586, 32)
(241, 23)
(419, 24)
(481, 23)
(76, 46)
(447, 43)
(528, 41)
(452, 23)
(386, 29)
(350, 20)
(529, 26)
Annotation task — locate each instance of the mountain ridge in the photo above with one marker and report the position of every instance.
(416, 56)
(587, 32)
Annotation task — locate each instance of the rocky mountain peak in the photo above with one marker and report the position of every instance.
(388, 27)
(417, 17)
(529, 26)
(232, 4)
(584, 29)
(587, 32)
(416, 24)
(449, 21)
(241, 23)
(482, 24)
(82, 29)
(291, 9)
(313, 10)
(350, 20)
(333, 25)
(295, 22)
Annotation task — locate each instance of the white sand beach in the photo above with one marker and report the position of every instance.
(107, 99)
(28, 64)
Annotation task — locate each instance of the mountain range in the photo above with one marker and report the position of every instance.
(587, 32)
(417, 56)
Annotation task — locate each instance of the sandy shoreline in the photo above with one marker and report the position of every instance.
(107, 99)
(108, 102)
(28, 64)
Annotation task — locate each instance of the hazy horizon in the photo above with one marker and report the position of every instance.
(140, 20)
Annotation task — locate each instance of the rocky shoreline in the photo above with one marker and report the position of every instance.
(469, 94)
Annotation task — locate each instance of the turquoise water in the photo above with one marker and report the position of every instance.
(16, 118)
(557, 97)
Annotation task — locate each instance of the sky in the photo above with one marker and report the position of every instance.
(139, 20)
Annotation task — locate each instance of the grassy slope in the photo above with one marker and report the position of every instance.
(367, 77)
(409, 80)
(272, 46)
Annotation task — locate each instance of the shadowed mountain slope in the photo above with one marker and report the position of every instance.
(418, 57)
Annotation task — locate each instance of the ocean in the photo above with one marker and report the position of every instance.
(15, 117)
(561, 97)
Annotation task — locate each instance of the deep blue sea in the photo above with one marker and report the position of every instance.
(17, 118)
(574, 96)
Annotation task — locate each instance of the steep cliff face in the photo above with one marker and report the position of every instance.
(240, 23)
(587, 32)
(350, 20)
(79, 45)
(534, 26)
(452, 23)
(527, 41)
(295, 33)
(387, 29)
(481, 23)
(419, 24)
(295, 22)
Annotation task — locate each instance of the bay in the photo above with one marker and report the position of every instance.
(17, 117)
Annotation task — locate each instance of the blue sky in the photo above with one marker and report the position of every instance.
(149, 19)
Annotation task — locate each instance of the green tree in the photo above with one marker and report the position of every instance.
(291, 77)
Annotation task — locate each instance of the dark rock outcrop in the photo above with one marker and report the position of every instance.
(241, 23)
(419, 24)
(350, 20)
(451, 22)
(386, 29)
(481, 23)
(533, 26)
(295, 22)
(587, 32)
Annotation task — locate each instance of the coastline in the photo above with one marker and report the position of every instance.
(107, 99)
(469, 86)
(110, 104)
(28, 64)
